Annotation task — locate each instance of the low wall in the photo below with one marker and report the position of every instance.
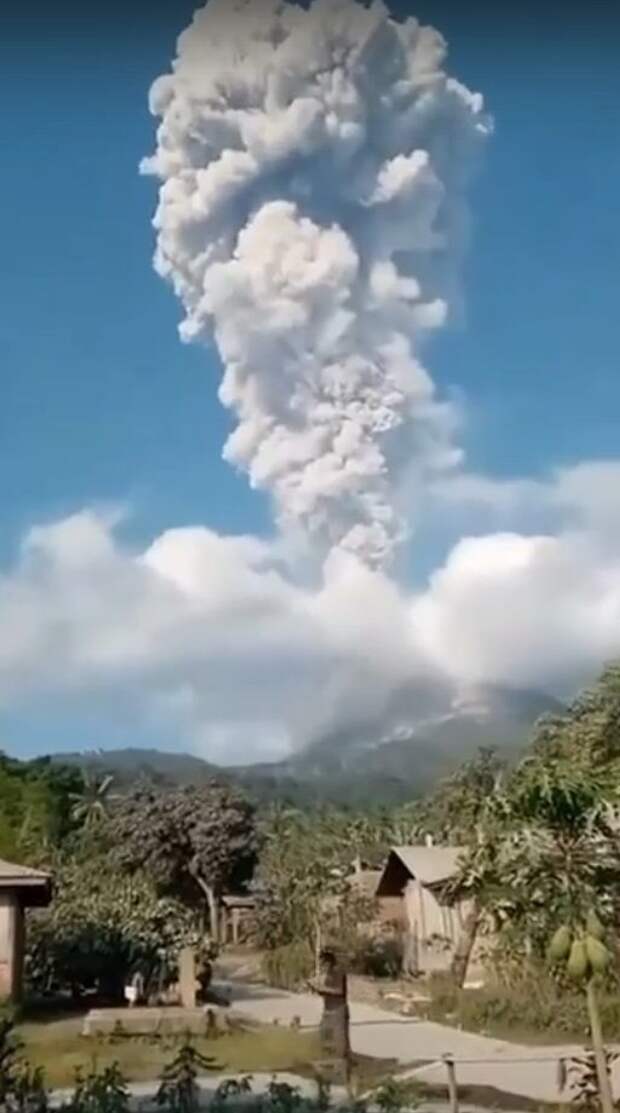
(150, 1021)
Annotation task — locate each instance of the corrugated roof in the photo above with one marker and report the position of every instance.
(430, 864)
(12, 874)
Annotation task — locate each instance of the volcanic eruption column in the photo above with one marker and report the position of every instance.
(313, 163)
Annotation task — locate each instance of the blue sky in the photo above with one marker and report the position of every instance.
(101, 400)
(102, 403)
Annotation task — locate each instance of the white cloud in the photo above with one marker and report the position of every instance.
(531, 608)
(211, 637)
(534, 611)
(201, 629)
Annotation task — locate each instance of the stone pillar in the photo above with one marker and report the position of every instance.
(11, 946)
(187, 978)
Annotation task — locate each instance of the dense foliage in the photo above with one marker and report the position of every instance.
(545, 850)
(101, 926)
(36, 803)
(194, 843)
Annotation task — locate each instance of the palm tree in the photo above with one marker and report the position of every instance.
(90, 806)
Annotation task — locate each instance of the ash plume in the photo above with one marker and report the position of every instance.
(313, 163)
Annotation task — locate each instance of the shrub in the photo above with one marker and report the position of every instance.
(532, 1001)
(289, 966)
(99, 926)
(22, 1089)
(179, 1091)
(100, 1092)
(396, 1094)
(377, 958)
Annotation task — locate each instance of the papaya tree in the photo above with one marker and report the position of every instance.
(581, 950)
(544, 851)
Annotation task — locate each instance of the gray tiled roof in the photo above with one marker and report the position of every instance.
(14, 875)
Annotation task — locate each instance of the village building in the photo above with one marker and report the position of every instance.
(237, 917)
(20, 888)
(411, 896)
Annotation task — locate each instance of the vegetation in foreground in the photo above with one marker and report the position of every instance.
(101, 1084)
(533, 1009)
(139, 876)
(59, 1049)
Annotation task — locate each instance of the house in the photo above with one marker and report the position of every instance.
(410, 894)
(20, 888)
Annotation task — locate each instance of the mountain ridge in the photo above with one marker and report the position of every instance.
(353, 768)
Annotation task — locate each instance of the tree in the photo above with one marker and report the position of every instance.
(35, 806)
(578, 946)
(90, 804)
(304, 895)
(589, 731)
(194, 842)
(99, 926)
(453, 810)
(545, 845)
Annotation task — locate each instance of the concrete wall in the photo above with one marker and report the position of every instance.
(419, 910)
(11, 946)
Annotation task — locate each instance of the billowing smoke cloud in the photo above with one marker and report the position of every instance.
(313, 163)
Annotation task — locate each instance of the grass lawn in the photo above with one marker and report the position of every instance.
(59, 1047)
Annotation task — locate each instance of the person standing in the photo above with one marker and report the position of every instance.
(331, 985)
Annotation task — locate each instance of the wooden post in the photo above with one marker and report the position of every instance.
(453, 1093)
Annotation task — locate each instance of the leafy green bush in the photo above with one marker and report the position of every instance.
(100, 926)
(289, 966)
(377, 958)
(99, 1092)
(396, 1094)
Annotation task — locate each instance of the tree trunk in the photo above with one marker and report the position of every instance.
(213, 905)
(604, 1084)
(318, 946)
(465, 945)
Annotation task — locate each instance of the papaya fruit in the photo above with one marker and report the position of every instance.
(559, 947)
(597, 953)
(578, 960)
(594, 926)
